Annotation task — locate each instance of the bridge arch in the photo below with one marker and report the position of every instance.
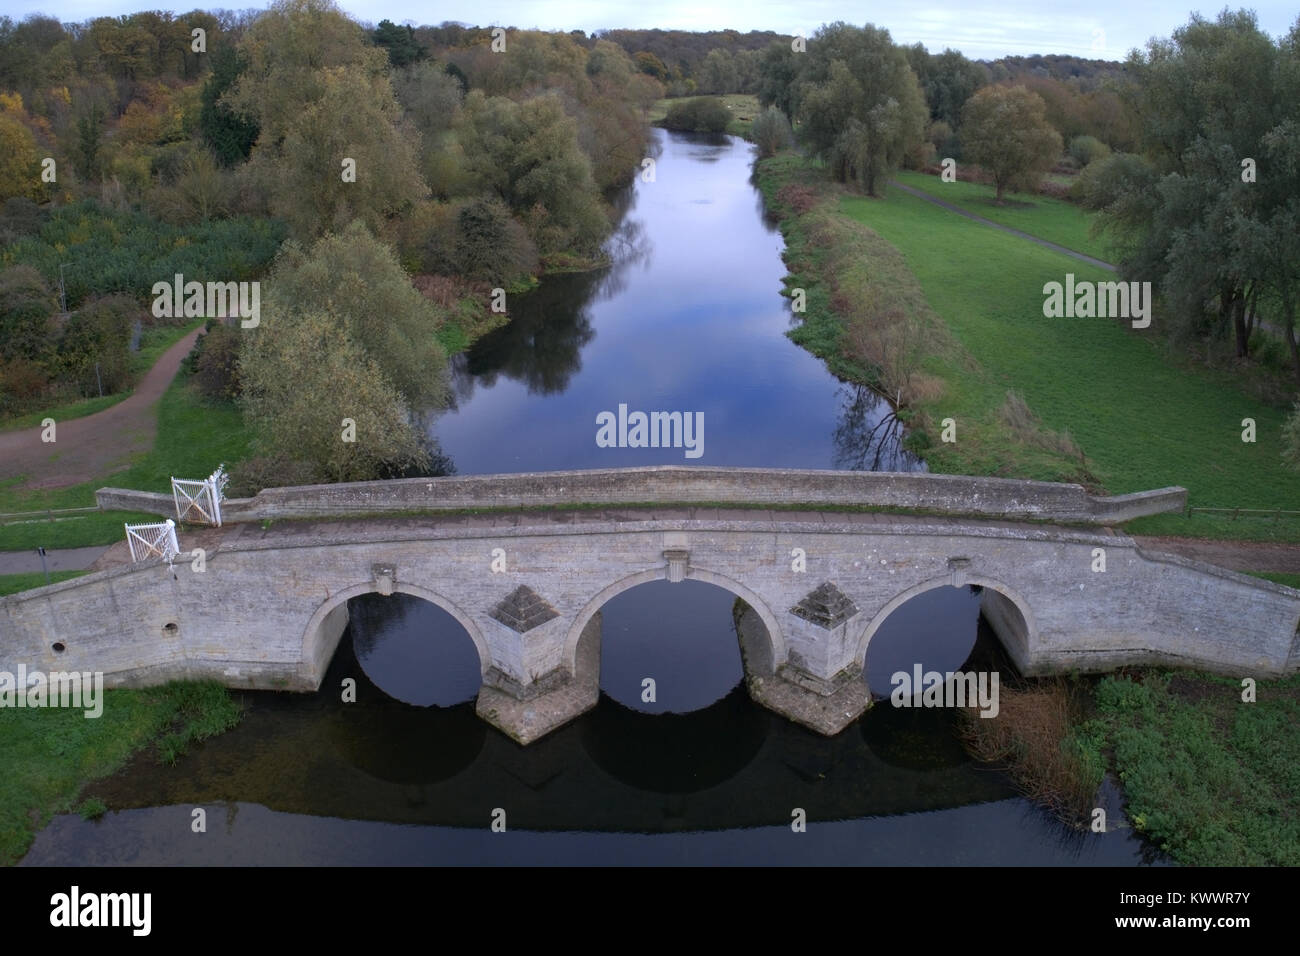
(776, 640)
(1004, 606)
(319, 644)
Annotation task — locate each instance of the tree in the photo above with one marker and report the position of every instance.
(308, 178)
(19, 163)
(777, 72)
(26, 308)
(400, 42)
(231, 135)
(89, 130)
(528, 155)
(859, 102)
(492, 246)
(302, 416)
(287, 53)
(952, 80)
(356, 279)
(1005, 132)
(718, 73)
(1220, 247)
(1291, 438)
(93, 345)
(771, 132)
(651, 65)
(430, 95)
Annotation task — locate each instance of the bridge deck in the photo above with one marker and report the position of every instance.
(313, 532)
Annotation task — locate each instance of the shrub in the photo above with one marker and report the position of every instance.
(703, 114)
(771, 131)
(1291, 438)
(21, 380)
(122, 251)
(26, 305)
(215, 362)
(98, 335)
(1087, 149)
(491, 245)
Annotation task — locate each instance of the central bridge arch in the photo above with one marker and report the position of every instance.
(764, 663)
(321, 637)
(1003, 607)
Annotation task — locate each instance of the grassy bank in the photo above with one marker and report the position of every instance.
(1208, 778)
(13, 583)
(1095, 402)
(51, 756)
(1212, 780)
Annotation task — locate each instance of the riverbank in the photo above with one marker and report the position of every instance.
(1207, 768)
(52, 756)
(944, 316)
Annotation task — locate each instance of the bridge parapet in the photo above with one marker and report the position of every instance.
(956, 495)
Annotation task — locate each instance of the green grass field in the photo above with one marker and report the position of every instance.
(1052, 219)
(1143, 418)
(50, 754)
(13, 583)
(1211, 779)
(194, 436)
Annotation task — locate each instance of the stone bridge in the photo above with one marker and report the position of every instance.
(525, 563)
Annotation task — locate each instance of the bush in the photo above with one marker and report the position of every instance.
(98, 335)
(251, 475)
(1087, 149)
(21, 380)
(1291, 439)
(19, 217)
(215, 361)
(26, 305)
(491, 245)
(771, 131)
(703, 114)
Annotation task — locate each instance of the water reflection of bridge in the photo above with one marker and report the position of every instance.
(733, 764)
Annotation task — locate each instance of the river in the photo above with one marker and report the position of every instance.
(688, 319)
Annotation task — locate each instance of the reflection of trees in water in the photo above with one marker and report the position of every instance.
(541, 346)
(771, 224)
(868, 435)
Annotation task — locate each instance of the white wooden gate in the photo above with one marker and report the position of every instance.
(152, 540)
(199, 502)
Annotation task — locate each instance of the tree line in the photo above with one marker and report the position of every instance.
(434, 155)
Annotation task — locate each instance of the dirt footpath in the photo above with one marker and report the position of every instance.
(1233, 555)
(96, 445)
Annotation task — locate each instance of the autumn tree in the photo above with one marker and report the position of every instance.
(19, 162)
(338, 391)
(1005, 131)
(343, 335)
(859, 102)
(527, 154)
(357, 279)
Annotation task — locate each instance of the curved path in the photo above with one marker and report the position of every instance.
(95, 445)
(919, 194)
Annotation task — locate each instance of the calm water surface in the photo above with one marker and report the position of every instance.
(689, 318)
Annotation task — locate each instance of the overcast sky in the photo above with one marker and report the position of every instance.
(980, 29)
